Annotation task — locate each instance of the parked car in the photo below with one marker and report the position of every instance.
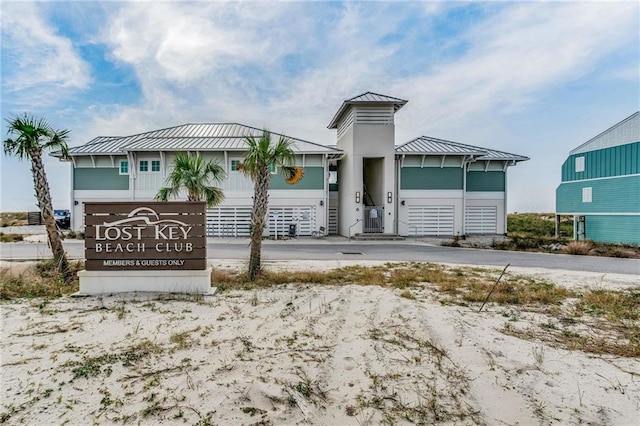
(63, 218)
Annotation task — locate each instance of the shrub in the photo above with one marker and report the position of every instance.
(540, 224)
(10, 238)
(579, 248)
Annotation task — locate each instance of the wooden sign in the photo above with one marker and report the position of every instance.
(136, 235)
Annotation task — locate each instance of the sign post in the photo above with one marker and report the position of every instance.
(145, 246)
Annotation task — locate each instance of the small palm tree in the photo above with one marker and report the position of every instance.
(32, 137)
(260, 156)
(194, 174)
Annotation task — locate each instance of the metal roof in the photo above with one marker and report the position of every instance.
(425, 145)
(366, 98)
(203, 137)
(622, 133)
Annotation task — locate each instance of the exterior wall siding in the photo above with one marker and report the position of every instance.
(613, 229)
(431, 178)
(99, 179)
(614, 195)
(485, 181)
(608, 162)
(313, 179)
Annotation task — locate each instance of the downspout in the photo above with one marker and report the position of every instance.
(325, 168)
(506, 165)
(506, 222)
(465, 167)
(72, 197)
(397, 198)
(132, 174)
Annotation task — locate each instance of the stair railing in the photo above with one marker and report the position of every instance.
(357, 221)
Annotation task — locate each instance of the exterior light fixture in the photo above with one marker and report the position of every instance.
(321, 203)
(357, 197)
(389, 197)
(402, 202)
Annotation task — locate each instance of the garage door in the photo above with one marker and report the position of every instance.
(481, 220)
(431, 220)
(236, 221)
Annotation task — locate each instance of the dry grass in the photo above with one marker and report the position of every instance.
(597, 321)
(38, 280)
(615, 306)
(10, 238)
(583, 248)
(13, 219)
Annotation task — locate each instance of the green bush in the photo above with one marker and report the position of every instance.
(541, 224)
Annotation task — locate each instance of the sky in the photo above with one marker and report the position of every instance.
(531, 78)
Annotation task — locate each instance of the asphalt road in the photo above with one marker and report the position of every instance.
(337, 248)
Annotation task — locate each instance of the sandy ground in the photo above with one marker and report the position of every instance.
(288, 355)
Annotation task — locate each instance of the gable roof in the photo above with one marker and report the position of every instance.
(201, 137)
(366, 98)
(425, 145)
(622, 133)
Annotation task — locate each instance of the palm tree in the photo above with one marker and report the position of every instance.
(256, 163)
(33, 136)
(194, 174)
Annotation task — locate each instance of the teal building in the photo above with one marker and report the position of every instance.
(601, 185)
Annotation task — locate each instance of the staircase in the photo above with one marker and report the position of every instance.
(377, 237)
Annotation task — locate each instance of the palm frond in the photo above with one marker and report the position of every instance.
(194, 174)
(33, 135)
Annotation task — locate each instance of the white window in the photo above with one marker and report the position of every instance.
(579, 164)
(587, 194)
(124, 167)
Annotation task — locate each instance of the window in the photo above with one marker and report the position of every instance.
(587, 194)
(144, 166)
(579, 164)
(124, 167)
(155, 165)
(272, 168)
(234, 165)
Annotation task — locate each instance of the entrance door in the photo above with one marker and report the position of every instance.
(373, 219)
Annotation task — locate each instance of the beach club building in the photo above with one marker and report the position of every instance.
(365, 184)
(601, 185)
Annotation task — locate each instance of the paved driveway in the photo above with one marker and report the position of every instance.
(338, 248)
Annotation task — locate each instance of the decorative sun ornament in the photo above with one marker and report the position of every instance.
(296, 174)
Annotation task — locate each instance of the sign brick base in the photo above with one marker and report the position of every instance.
(172, 281)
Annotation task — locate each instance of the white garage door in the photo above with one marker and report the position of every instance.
(236, 221)
(431, 220)
(481, 220)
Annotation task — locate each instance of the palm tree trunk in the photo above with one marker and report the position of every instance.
(44, 203)
(260, 204)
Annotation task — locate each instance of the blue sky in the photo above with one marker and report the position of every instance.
(532, 78)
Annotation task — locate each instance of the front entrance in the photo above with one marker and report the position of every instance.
(373, 220)
(373, 195)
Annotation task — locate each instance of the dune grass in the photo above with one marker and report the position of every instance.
(592, 320)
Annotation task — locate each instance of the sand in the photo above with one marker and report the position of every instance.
(302, 354)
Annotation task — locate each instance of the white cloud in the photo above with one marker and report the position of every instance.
(36, 56)
(517, 54)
